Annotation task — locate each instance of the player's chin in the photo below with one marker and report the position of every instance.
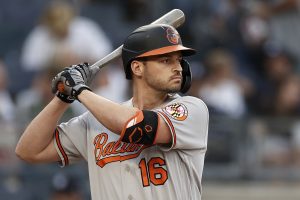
(174, 88)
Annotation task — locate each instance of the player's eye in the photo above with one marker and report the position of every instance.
(165, 60)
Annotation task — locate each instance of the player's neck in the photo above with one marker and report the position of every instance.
(148, 98)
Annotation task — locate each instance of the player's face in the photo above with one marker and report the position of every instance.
(164, 73)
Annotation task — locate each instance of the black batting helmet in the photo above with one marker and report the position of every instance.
(156, 39)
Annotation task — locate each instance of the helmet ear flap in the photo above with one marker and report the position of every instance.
(186, 76)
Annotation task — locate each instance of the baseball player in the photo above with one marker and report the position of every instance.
(150, 147)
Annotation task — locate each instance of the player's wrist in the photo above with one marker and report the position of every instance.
(58, 101)
(64, 98)
(82, 91)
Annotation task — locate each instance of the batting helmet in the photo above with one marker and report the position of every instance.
(156, 39)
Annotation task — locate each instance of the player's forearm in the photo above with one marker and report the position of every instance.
(112, 115)
(39, 133)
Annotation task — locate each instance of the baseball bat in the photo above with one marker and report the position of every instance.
(174, 18)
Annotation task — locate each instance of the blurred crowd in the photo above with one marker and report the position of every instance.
(246, 70)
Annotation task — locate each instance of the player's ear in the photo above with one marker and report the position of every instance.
(137, 68)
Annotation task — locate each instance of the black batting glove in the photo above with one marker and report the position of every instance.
(70, 83)
(63, 97)
(67, 96)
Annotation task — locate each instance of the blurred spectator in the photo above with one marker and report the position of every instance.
(295, 142)
(137, 10)
(287, 99)
(65, 187)
(12, 187)
(32, 100)
(254, 28)
(278, 66)
(217, 24)
(7, 122)
(111, 83)
(277, 69)
(272, 141)
(222, 88)
(63, 38)
(285, 26)
(7, 107)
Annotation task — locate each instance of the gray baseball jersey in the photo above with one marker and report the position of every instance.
(119, 170)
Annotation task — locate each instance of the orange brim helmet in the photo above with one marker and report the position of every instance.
(152, 40)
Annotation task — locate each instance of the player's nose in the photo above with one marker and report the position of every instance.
(177, 67)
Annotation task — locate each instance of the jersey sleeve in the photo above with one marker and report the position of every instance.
(187, 117)
(70, 140)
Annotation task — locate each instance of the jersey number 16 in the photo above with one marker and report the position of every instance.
(153, 171)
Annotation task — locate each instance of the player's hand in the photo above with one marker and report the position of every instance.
(61, 96)
(69, 82)
(85, 71)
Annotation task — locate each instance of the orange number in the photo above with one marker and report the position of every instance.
(143, 167)
(154, 171)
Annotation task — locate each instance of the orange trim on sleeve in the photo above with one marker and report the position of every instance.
(61, 149)
(171, 127)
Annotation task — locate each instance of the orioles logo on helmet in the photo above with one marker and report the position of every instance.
(173, 36)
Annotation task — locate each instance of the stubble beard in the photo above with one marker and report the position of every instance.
(163, 86)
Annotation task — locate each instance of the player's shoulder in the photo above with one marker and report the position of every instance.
(187, 100)
(189, 103)
(185, 108)
(190, 98)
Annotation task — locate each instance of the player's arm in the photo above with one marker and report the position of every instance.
(113, 116)
(117, 118)
(36, 143)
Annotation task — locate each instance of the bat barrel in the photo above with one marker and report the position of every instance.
(174, 18)
(107, 59)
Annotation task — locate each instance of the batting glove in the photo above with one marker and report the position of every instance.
(65, 98)
(69, 83)
(85, 71)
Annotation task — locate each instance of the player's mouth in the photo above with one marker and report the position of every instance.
(176, 77)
